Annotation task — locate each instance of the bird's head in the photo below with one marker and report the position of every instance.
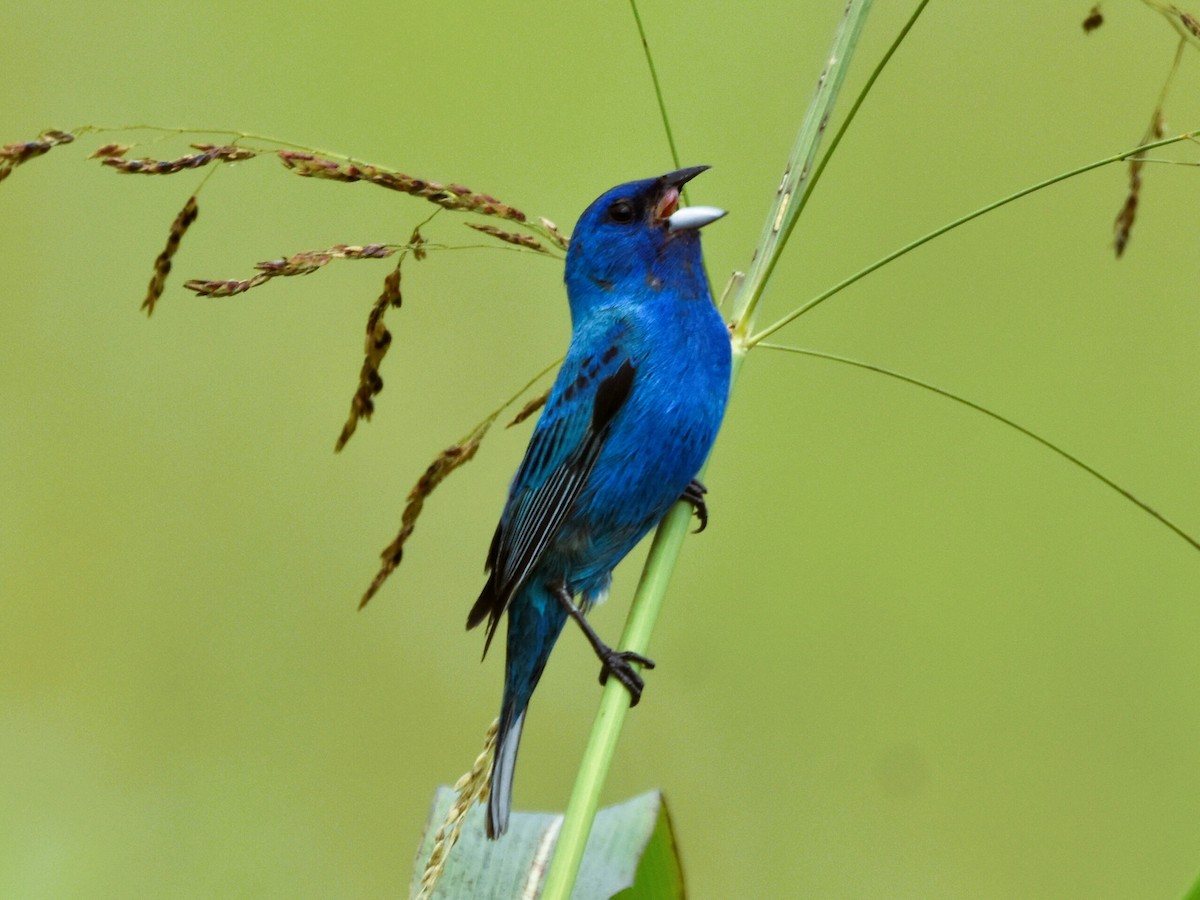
(635, 239)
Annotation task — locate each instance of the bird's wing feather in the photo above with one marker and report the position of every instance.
(564, 448)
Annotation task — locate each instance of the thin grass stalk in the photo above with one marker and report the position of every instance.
(668, 539)
(1003, 420)
(662, 103)
(962, 220)
(796, 184)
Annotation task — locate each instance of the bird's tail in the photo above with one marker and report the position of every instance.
(535, 620)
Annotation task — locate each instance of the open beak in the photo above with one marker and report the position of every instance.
(689, 217)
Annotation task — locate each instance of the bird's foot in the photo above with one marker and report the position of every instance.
(618, 663)
(694, 494)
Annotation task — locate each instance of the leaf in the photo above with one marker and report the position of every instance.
(630, 854)
(660, 872)
(1194, 892)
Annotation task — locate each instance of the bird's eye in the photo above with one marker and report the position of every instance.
(621, 212)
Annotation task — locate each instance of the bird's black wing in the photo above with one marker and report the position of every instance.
(556, 467)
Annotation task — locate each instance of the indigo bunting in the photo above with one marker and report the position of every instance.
(628, 424)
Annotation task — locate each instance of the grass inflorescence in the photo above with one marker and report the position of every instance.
(1123, 224)
(1187, 27)
(113, 156)
(531, 234)
(378, 340)
(472, 787)
(162, 265)
(529, 409)
(509, 237)
(457, 454)
(539, 235)
(453, 197)
(13, 155)
(303, 263)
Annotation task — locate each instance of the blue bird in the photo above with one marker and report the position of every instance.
(628, 424)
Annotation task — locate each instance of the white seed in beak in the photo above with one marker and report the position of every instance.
(690, 217)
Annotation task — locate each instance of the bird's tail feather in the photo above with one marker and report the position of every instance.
(500, 799)
(535, 620)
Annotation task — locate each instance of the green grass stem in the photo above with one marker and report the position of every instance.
(798, 185)
(668, 539)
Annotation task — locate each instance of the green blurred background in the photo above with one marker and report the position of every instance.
(914, 655)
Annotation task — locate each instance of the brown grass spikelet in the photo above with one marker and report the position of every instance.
(13, 155)
(205, 288)
(303, 263)
(447, 461)
(529, 409)
(208, 153)
(553, 233)
(162, 265)
(1184, 23)
(453, 197)
(308, 165)
(1123, 224)
(379, 339)
(309, 261)
(472, 787)
(416, 243)
(509, 237)
(109, 150)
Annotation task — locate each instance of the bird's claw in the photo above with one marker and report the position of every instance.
(618, 664)
(612, 662)
(693, 494)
